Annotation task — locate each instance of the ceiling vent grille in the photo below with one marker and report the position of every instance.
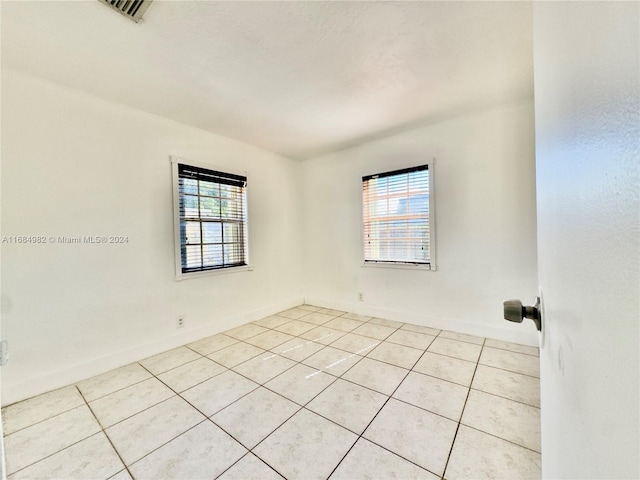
(134, 9)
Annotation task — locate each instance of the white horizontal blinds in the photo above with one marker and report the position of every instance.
(396, 216)
(213, 220)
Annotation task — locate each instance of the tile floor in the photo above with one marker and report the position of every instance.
(309, 393)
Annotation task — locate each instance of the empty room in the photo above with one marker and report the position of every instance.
(312, 240)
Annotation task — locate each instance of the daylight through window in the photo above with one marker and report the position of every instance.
(213, 219)
(397, 227)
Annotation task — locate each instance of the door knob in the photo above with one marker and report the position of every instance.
(515, 312)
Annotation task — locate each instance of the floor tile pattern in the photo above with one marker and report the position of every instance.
(308, 393)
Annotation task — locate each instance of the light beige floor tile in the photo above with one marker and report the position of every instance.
(38, 441)
(215, 394)
(124, 403)
(245, 331)
(343, 324)
(121, 475)
(293, 313)
(324, 335)
(139, 435)
(378, 376)
(395, 354)
(263, 368)
(415, 434)
(462, 337)
(190, 374)
(272, 322)
(454, 348)
(268, 340)
(93, 457)
(447, 368)
(310, 308)
(235, 354)
(250, 467)
(29, 412)
(367, 461)
(317, 318)
(513, 347)
(109, 382)
(355, 316)
(205, 451)
(333, 361)
(306, 446)
(295, 327)
(208, 345)
(512, 361)
(300, 383)
(348, 404)
(433, 394)
(374, 331)
(503, 418)
(254, 416)
(479, 455)
(168, 360)
(297, 349)
(421, 329)
(387, 323)
(411, 339)
(331, 311)
(514, 386)
(356, 343)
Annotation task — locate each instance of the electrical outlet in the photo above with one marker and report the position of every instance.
(180, 322)
(4, 352)
(361, 297)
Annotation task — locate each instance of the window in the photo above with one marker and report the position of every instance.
(211, 219)
(397, 218)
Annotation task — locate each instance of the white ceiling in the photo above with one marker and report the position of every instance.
(297, 78)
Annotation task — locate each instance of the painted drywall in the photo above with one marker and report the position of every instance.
(297, 78)
(74, 165)
(485, 224)
(587, 101)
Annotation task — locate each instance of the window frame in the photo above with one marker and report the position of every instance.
(432, 266)
(179, 274)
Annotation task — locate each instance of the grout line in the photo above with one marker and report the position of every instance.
(501, 438)
(510, 371)
(183, 364)
(376, 415)
(502, 349)
(42, 421)
(455, 436)
(334, 377)
(242, 458)
(505, 398)
(103, 430)
(206, 418)
(59, 451)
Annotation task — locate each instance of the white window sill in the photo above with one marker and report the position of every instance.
(208, 273)
(402, 266)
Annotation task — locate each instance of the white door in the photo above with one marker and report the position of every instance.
(587, 102)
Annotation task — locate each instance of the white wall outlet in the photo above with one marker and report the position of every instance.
(180, 322)
(4, 352)
(361, 297)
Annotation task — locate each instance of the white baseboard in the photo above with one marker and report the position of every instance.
(516, 333)
(16, 392)
(12, 393)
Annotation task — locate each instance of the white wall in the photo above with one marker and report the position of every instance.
(76, 165)
(485, 225)
(587, 99)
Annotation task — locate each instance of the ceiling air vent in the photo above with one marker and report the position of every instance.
(134, 9)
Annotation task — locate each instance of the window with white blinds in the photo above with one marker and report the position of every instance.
(396, 217)
(212, 218)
